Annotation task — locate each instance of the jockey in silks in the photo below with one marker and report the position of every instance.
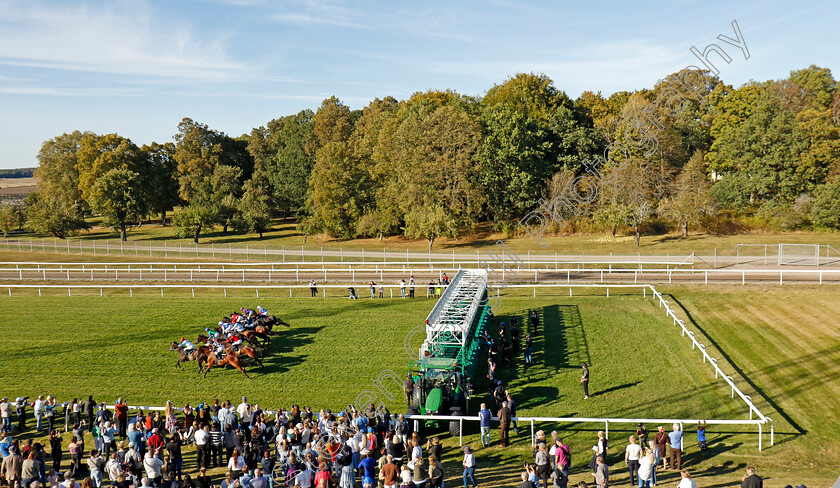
(235, 341)
(212, 335)
(247, 312)
(261, 311)
(187, 346)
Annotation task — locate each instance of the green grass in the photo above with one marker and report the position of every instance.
(784, 341)
(285, 234)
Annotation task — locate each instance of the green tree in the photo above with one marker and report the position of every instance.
(287, 161)
(825, 209)
(99, 154)
(118, 196)
(513, 163)
(432, 151)
(336, 185)
(160, 183)
(226, 192)
(48, 213)
(58, 176)
(11, 218)
(254, 207)
(196, 217)
(691, 194)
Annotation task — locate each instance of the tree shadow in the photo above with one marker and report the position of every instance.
(775, 406)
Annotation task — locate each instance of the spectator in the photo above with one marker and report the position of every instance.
(435, 473)
(259, 480)
(526, 483)
(201, 437)
(55, 449)
(602, 473)
(152, 465)
(701, 435)
(584, 380)
(631, 457)
(675, 439)
(121, 415)
(686, 481)
(504, 424)
(661, 439)
(390, 473)
(647, 466)
(96, 464)
(202, 479)
(542, 468)
(469, 468)
(38, 409)
(30, 469)
(411, 288)
(402, 288)
(313, 289)
(751, 480)
(560, 478)
(562, 456)
(372, 290)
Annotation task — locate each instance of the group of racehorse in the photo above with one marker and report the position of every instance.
(217, 350)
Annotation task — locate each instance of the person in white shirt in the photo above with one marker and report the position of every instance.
(304, 478)
(647, 465)
(38, 408)
(69, 483)
(686, 481)
(152, 466)
(201, 452)
(222, 414)
(631, 457)
(244, 410)
(469, 467)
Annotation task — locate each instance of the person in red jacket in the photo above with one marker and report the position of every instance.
(155, 441)
(121, 413)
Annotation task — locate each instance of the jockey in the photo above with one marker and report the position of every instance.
(247, 312)
(234, 317)
(212, 334)
(234, 340)
(261, 311)
(187, 345)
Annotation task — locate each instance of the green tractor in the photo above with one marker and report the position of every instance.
(443, 376)
(440, 388)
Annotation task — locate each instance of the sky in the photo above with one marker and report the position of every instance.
(138, 67)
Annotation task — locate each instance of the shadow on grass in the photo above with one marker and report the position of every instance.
(738, 370)
(614, 388)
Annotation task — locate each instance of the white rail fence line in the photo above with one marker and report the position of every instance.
(119, 248)
(211, 272)
(695, 344)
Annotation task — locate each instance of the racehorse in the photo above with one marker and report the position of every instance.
(269, 321)
(232, 359)
(244, 349)
(184, 356)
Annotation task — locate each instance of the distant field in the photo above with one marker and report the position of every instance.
(784, 340)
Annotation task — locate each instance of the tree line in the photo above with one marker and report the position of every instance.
(765, 154)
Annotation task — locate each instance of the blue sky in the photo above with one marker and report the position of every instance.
(138, 67)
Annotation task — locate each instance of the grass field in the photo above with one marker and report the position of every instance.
(781, 340)
(284, 234)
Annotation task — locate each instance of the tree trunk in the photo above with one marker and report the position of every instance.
(305, 235)
(431, 241)
(197, 233)
(685, 228)
(638, 236)
(224, 228)
(163, 218)
(261, 234)
(122, 232)
(380, 236)
(615, 227)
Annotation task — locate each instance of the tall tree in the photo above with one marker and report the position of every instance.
(254, 207)
(99, 154)
(159, 177)
(48, 213)
(118, 196)
(691, 194)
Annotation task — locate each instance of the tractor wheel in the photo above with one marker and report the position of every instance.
(455, 425)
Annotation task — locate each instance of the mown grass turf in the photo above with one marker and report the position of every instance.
(336, 348)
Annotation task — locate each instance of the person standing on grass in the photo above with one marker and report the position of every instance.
(411, 286)
(11, 468)
(55, 449)
(504, 424)
(661, 440)
(402, 288)
(469, 468)
(584, 380)
(686, 481)
(602, 473)
(535, 321)
(562, 456)
(408, 388)
(676, 437)
(631, 457)
(647, 466)
(6, 414)
(121, 415)
(38, 410)
(89, 410)
(751, 480)
(313, 289)
(372, 290)
(484, 417)
(527, 352)
(701, 435)
(20, 411)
